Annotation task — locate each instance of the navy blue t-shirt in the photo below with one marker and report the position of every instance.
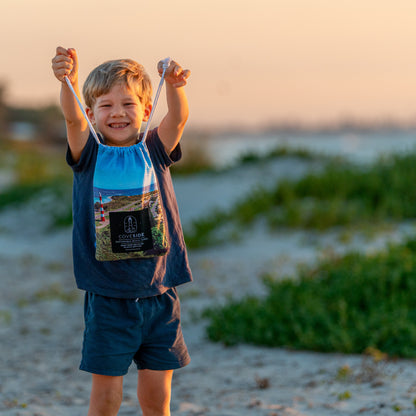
(136, 278)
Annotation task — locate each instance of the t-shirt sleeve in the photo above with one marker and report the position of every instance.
(158, 151)
(86, 155)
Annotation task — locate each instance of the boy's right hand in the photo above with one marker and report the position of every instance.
(65, 63)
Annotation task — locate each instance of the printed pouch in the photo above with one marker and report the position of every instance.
(129, 218)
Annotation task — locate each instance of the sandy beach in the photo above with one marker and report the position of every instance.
(41, 320)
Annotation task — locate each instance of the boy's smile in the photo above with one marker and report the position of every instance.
(118, 115)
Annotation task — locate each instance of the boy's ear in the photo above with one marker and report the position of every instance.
(90, 114)
(147, 111)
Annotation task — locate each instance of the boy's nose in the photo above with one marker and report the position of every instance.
(118, 111)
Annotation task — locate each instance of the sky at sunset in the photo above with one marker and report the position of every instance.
(252, 62)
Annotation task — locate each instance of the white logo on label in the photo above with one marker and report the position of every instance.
(130, 225)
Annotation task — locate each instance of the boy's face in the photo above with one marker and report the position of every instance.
(118, 116)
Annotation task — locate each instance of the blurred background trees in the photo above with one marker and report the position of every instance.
(44, 123)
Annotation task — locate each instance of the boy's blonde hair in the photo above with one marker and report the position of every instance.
(124, 71)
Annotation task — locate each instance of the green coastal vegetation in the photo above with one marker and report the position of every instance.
(347, 304)
(38, 172)
(339, 195)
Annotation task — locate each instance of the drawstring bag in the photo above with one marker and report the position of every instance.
(129, 218)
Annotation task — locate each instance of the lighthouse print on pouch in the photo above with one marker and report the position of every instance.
(129, 219)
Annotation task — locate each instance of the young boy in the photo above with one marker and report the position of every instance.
(132, 311)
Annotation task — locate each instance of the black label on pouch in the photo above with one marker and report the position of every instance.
(130, 231)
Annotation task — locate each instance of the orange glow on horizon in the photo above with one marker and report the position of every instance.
(251, 62)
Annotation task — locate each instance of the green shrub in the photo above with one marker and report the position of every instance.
(38, 171)
(346, 305)
(338, 196)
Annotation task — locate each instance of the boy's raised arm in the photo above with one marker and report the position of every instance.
(65, 64)
(171, 127)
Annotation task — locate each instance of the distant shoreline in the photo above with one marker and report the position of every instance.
(297, 127)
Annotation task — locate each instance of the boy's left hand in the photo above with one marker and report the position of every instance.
(175, 75)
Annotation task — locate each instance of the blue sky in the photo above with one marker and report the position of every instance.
(124, 172)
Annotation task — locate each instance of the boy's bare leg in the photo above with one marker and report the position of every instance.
(154, 391)
(106, 395)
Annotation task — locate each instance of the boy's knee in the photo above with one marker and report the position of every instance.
(105, 403)
(106, 397)
(155, 406)
(111, 398)
(154, 392)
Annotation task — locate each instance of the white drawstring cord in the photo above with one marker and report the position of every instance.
(166, 63)
(82, 110)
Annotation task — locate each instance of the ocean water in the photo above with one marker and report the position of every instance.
(358, 147)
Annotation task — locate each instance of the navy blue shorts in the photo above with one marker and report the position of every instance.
(119, 331)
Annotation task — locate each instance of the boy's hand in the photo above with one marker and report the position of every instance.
(175, 75)
(65, 63)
